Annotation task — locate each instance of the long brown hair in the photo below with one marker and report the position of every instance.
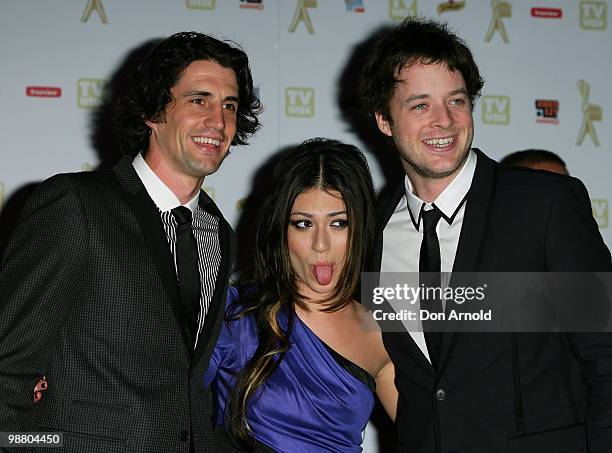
(328, 165)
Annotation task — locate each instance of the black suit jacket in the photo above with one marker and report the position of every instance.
(501, 392)
(89, 299)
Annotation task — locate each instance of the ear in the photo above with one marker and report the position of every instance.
(152, 125)
(383, 124)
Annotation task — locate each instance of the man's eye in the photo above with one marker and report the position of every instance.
(419, 107)
(231, 107)
(458, 101)
(198, 101)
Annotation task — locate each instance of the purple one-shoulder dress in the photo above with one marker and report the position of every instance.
(316, 400)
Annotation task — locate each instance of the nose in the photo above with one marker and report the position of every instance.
(442, 117)
(215, 118)
(320, 240)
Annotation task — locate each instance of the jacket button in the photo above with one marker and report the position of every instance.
(185, 436)
(440, 394)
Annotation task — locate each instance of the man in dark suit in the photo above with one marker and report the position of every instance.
(457, 210)
(99, 339)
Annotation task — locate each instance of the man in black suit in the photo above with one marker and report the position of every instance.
(457, 210)
(99, 339)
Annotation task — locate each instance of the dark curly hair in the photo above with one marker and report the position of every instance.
(147, 93)
(415, 40)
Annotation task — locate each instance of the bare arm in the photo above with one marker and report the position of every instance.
(385, 388)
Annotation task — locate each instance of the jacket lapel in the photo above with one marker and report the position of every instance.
(154, 235)
(399, 344)
(217, 304)
(473, 231)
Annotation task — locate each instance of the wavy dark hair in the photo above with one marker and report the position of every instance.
(147, 93)
(328, 165)
(415, 40)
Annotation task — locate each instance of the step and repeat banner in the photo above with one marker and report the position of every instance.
(546, 65)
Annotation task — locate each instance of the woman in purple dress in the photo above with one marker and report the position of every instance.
(298, 360)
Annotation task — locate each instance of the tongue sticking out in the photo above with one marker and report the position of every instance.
(324, 273)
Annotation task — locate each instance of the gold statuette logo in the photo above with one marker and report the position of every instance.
(500, 10)
(590, 113)
(601, 211)
(301, 15)
(94, 5)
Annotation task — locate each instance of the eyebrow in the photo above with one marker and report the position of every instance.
(417, 97)
(307, 214)
(208, 93)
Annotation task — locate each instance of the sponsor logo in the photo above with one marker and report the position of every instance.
(547, 111)
(601, 211)
(450, 5)
(547, 13)
(301, 15)
(90, 93)
(593, 15)
(201, 4)
(210, 191)
(299, 102)
(500, 10)
(44, 92)
(2, 195)
(496, 110)
(400, 9)
(355, 6)
(251, 4)
(94, 5)
(590, 112)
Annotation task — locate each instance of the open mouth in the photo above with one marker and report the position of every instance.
(440, 143)
(206, 141)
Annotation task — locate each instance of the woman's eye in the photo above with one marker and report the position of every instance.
(301, 224)
(340, 224)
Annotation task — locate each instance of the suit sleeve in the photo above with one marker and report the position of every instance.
(39, 276)
(574, 244)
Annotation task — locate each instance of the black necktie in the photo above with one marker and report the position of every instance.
(187, 271)
(429, 262)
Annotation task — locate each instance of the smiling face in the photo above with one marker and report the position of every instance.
(317, 238)
(199, 125)
(430, 123)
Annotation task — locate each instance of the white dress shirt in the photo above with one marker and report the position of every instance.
(403, 233)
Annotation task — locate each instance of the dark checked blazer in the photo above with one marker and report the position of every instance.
(506, 392)
(89, 299)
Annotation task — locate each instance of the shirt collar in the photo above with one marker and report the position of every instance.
(450, 199)
(162, 196)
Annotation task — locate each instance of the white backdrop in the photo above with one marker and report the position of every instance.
(55, 57)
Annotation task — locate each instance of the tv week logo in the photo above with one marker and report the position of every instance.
(201, 4)
(90, 93)
(496, 109)
(400, 9)
(547, 111)
(299, 102)
(593, 15)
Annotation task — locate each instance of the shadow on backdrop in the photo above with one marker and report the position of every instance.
(261, 186)
(382, 148)
(101, 137)
(360, 123)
